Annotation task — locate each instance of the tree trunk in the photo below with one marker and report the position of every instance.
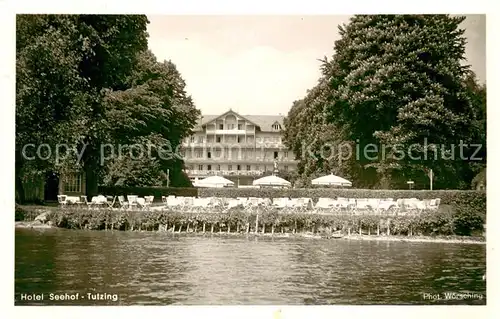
(257, 224)
(20, 190)
(91, 182)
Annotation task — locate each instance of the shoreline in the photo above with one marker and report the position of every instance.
(418, 239)
(385, 238)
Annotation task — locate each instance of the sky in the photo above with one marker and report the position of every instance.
(261, 64)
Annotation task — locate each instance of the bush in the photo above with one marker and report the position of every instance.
(157, 192)
(466, 221)
(20, 214)
(445, 221)
(28, 212)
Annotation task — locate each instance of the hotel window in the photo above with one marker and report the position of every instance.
(218, 139)
(209, 155)
(240, 139)
(200, 167)
(230, 167)
(286, 167)
(221, 126)
(218, 167)
(276, 127)
(275, 155)
(209, 167)
(257, 168)
(217, 154)
(73, 183)
(248, 168)
(192, 139)
(238, 167)
(198, 154)
(200, 139)
(231, 127)
(240, 126)
(285, 154)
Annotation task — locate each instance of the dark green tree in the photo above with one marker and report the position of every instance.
(155, 115)
(88, 81)
(397, 82)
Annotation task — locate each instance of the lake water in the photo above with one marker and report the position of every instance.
(178, 269)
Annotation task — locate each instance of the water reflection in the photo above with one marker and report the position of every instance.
(159, 268)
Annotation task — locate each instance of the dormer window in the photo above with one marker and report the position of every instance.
(276, 127)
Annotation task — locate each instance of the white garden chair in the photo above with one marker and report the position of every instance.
(373, 203)
(306, 203)
(280, 202)
(61, 199)
(385, 205)
(132, 201)
(187, 204)
(98, 201)
(123, 203)
(434, 204)
(110, 201)
(362, 205)
(148, 201)
(83, 201)
(325, 204)
(232, 203)
(173, 202)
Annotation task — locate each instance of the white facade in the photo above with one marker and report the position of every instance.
(234, 145)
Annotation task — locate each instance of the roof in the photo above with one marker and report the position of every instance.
(264, 122)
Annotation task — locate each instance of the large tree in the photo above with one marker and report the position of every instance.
(88, 81)
(397, 81)
(154, 114)
(51, 96)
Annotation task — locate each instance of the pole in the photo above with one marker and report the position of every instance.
(431, 176)
(168, 177)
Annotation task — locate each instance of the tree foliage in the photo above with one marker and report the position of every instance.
(88, 81)
(396, 82)
(154, 114)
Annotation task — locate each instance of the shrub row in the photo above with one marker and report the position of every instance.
(157, 192)
(445, 221)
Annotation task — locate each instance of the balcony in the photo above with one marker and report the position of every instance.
(261, 144)
(230, 132)
(199, 173)
(218, 145)
(247, 131)
(236, 160)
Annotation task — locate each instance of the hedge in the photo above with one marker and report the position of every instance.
(157, 192)
(443, 222)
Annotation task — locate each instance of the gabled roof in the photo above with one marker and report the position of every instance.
(264, 122)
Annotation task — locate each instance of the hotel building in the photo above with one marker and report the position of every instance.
(238, 147)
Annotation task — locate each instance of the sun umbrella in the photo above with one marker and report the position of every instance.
(331, 180)
(214, 181)
(271, 180)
